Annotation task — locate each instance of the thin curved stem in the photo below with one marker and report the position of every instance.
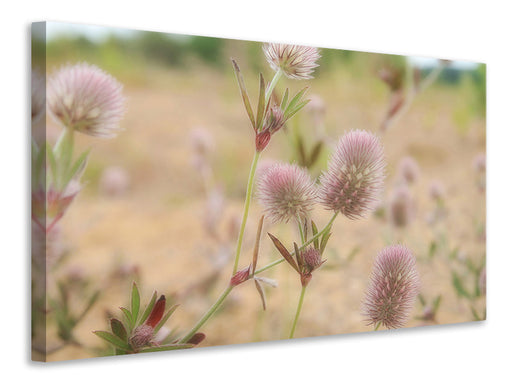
(207, 315)
(248, 197)
(297, 314)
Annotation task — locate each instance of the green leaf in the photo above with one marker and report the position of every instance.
(113, 339)
(301, 151)
(148, 309)
(261, 104)
(295, 101)
(118, 329)
(315, 153)
(323, 243)
(165, 318)
(458, 285)
(297, 108)
(314, 229)
(162, 348)
(243, 92)
(128, 315)
(284, 100)
(51, 162)
(135, 303)
(78, 167)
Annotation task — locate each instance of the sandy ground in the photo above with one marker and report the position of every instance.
(158, 223)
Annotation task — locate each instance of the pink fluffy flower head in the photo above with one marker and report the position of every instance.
(85, 98)
(355, 175)
(394, 285)
(296, 61)
(286, 191)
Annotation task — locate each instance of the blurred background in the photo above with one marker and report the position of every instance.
(162, 201)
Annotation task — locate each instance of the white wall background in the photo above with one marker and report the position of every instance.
(465, 30)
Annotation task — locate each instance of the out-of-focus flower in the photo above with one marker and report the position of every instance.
(296, 61)
(286, 191)
(114, 181)
(408, 169)
(479, 163)
(87, 99)
(401, 207)
(38, 100)
(437, 190)
(355, 175)
(394, 285)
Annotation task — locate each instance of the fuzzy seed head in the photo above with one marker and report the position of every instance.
(87, 99)
(296, 61)
(312, 258)
(286, 191)
(401, 206)
(394, 285)
(142, 336)
(354, 178)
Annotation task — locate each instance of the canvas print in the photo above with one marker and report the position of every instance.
(192, 191)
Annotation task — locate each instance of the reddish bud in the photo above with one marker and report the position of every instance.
(262, 140)
(157, 312)
(240, 276)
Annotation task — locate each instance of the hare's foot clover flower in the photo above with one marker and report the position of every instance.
(85, 98)
(296, 61)
(394, 285)
(355, 175)
(286, 191)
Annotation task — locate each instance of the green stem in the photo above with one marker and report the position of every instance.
(248, 196)
(299, 223)
(299, 307)
(207, 315)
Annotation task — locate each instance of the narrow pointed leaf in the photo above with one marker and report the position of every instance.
(317, 149)
(285, 99)
(262, 294)
(437, 303)
(127, 314)
(135, 302)
(284, 252)
(243, 92)
(118, 329)
(296, 109)
(295, 100)
(78, 167)
(314, 229)
(113, 339)
(302, 151)
(298, 256)
(172, 347)
(323, 243)
(257, 245)
(149, 308)
(51, 161)
(261, 104)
